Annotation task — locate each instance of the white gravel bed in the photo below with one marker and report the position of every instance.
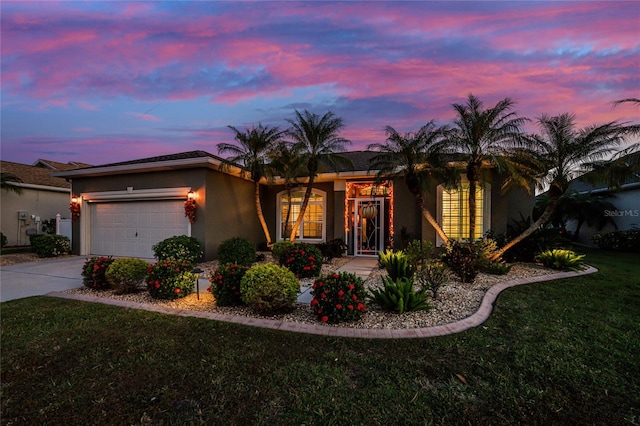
(455, 300)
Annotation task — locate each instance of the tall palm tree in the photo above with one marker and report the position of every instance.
(562, 150)
(251, 152)
(415, 158)
(486, 138)
(8, 181)
(288, 165)
(316, 139)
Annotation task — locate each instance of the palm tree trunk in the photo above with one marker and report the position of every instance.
(427, 215)
(472, 209)
(544, 218)
(303, 209)
(287, 230)
(265, 228)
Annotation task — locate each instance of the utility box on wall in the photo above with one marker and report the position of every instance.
(22, 215)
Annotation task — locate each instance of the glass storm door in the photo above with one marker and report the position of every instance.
(368, 226)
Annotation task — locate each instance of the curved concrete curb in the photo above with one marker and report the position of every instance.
(474, 320)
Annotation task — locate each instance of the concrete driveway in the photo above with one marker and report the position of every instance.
(39, 278)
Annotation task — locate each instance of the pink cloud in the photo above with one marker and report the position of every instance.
(142, 116)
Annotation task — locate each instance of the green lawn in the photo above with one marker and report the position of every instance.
(565, 352)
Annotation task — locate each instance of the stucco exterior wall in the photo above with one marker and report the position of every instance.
(43, 203)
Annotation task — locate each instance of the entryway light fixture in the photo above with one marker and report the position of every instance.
(191, 195)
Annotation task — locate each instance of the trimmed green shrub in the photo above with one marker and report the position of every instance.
(269, 288)
(237, 250)
(398, 266)
(304, 260)
(45, 245)
(179, 247)
(279, 248)
(338, 298)
(400, 296)
(126, 274)
(432, 276)
(628, 240)
(464, 260)
(93, 272)
(561, 259)
(170, 279)
(418, 252)
(225, 284)
(332, 248)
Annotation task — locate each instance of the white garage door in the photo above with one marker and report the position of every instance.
(131, 228)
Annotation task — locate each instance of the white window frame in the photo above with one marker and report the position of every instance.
(486, 207)
(279, 204)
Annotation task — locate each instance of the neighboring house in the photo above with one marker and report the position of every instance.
(625, 198)
(129, 206)
(42, 197)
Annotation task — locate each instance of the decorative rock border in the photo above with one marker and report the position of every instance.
(474, 320)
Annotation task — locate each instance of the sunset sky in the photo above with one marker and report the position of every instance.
(100, 82)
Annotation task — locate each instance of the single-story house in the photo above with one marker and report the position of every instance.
(42, 197)
(625, 198)
(127, 207)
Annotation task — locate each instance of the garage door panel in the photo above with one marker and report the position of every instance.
(132, 228)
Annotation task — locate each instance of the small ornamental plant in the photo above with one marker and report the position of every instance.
(93, 272)
(170, 279)
(126, 274)
(225, 284)
(304, 260)
(338, 298)
(178, 247)
(269, 288)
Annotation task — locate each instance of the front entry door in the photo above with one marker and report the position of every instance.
(368, 226)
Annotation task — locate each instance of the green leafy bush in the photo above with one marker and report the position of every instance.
(332, 248)
(338, 298)
(433, 276)
(170, 279)
(45, 245)
(126, 274)
(400, 296)
(464, 260)
(237, 250)
(418, 253)
(179, 247)
(397, 266)
(49, 226)
(561, 259)
(628, 240)
(3, 240)
(93, 272)
(279, 248)
(496, 268)
(269, 288)
(383, 257)
(225, 284)
(304, 260)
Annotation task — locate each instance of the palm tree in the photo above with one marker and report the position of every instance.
(288, 165)
(487, 138)
(562, 150)
(316, 139)
(635, 101)
(254, 145)
(8, 181)
(415, 158)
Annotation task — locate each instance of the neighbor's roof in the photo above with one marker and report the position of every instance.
(33, 175)
(55, 165)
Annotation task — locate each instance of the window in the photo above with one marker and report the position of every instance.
(454, 211)
(312, 227)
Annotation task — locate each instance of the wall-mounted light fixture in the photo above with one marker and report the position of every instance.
(74, 207)
(190, 206)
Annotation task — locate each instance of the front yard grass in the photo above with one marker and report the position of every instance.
(563, 352)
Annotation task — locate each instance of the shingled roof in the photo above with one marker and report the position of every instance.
(33, 175)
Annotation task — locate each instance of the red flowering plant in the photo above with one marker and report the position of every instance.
(93, 272)
(74, 208)
(304, 260)
(225, 284)
(170, 279)
(190, 210)
(338, 298)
